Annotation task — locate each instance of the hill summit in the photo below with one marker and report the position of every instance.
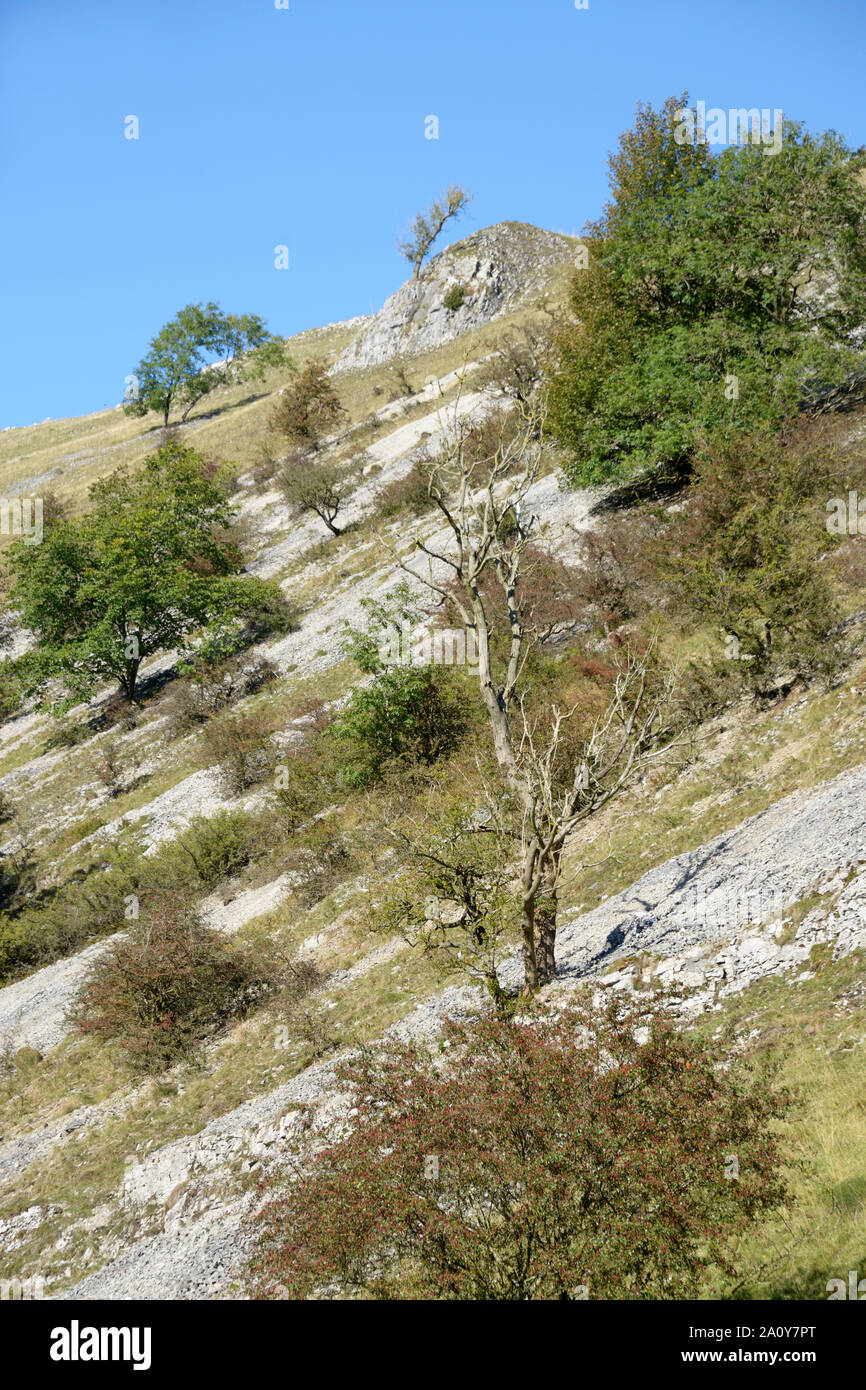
(461, 289)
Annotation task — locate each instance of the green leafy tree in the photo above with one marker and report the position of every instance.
(426, 226)
(143, 570)
(411, 712)
(556, 1158)
(721, 294)
(198, 350)
(389, 620)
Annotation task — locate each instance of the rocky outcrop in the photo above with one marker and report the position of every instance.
(495, 270)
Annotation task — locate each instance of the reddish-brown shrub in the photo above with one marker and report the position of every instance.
(165, 986)
(535, 1159)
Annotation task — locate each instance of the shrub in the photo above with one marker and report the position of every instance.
(37, 928)
(211, 686)
(12, 691)
(456, 897)
(296, 1010)
(743, 554)
(109, 767)
(518, 363)
(410, 713)
(166, 986)
(307, 778)
(58, 921)
(308, 407)
(535, 1159)
(265, 465)
(240, 745)
(116, 713)
(321, 488)
(17, 879)
(407, 494)
(319, 859)
(211, 849)
(454, 298)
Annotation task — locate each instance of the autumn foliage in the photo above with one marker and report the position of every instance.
(166, 986)
(576, 1154)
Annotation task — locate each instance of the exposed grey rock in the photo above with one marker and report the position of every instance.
(498, 268)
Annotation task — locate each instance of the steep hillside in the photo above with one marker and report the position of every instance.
(736, 867)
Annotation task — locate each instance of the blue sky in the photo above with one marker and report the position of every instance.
(304, 127)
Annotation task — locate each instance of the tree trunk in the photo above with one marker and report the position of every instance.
(527, 931)
(130, 676)
(546, 904)
(531, 980)
(538, 919)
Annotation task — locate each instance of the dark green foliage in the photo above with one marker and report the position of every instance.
(198, 350)
(38, 928)
(411, 714)
(721, 295)
(142, 571)
(211, 849)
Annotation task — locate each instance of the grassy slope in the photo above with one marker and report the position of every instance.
(817, 1027)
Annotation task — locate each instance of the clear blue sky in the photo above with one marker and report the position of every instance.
(305, 127)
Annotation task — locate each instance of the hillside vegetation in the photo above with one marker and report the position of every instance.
(474, 701)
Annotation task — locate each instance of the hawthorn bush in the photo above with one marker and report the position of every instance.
(410, 493)
(208, 688)
(166, 986)
(743, 553)
(410, 713)
(308, 407)
(210, 849)
(551, 1158)
(239, 743)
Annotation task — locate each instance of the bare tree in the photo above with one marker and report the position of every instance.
(559, 779)
(315, 487)
(426, 226)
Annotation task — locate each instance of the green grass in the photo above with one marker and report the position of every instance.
(816, 1031)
